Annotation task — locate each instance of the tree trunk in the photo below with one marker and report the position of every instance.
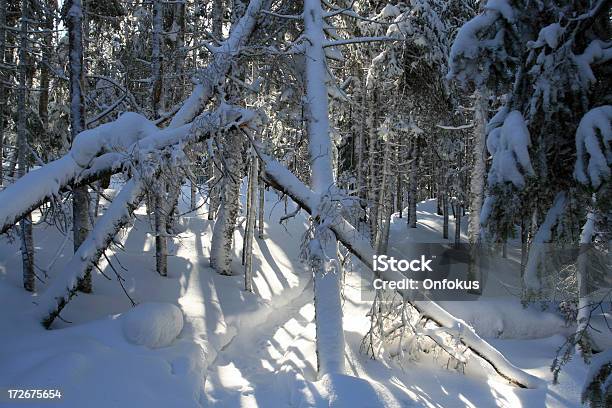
(445, 215)
(413, 185)
(180, 51)
(213, 189)
(223, 231)
(250, 225)
(156, 58)
(160, 210)
(27, 248)
(360, 147)
(373, 174)
(384, 203)
(80, 195)
(524, 241)
(328, 307)
(43, 99)
(192, 193)
(457, 225)
(399, 202)
(261, 209)
(478, 173)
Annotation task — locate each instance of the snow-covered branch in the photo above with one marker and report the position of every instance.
(107, 149)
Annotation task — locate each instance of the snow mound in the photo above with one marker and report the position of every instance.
(153, 324)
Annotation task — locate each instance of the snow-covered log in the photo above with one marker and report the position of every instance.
(63, 287)
(107, 149)
(277, 176)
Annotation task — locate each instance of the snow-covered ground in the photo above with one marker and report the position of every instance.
(198, 339)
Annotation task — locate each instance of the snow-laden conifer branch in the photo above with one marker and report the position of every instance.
(593, 152)
(280, 178)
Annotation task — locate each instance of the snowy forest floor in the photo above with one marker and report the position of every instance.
(256, 350)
